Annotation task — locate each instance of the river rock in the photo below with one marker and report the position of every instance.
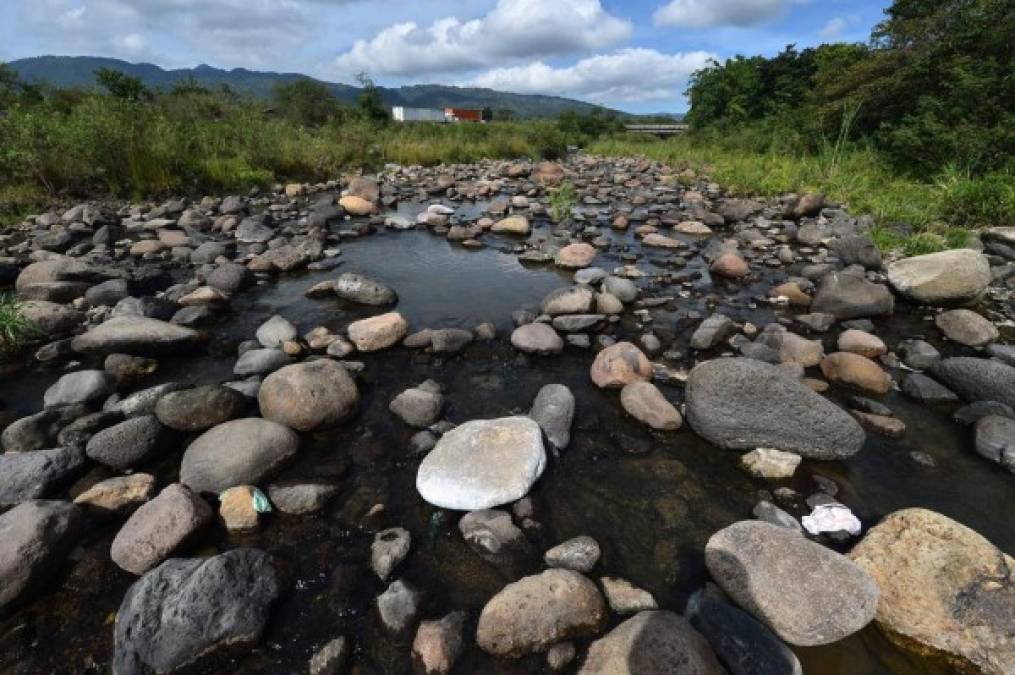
(553, 411)
(398, 607)
(378, 332)
(51, 319)
(136, 335)
(119, 494)
(390, 547)
(260, 362)
(619, 365)
(537, 338)
(857, 250)
(743, 644)
(536, 612)
(35, 537)
(657, 240)
(730, 266)
(626, 598)
(995, 440)
(977, 379)
(309, 396)
(623, 289)
(39, 431)
(30, 475)
(862, 343)
(331, 658)
(847, 296)
(188, 607)
(494, 537)
(357, 206)
(579, 554)
(738, 403)
(82, 386)
(712, 331)
(966, 327)
(576, 256)
(238, 452)
(438, 644)
(449, 340)
(955, 277)
(229, 277)
(651, 642)
(644, 402)
(482, 464)
(275, 331)
(125, 445)
(786, 581)
(200, 408)
(856, 371)
(946, 592)
(512, 225)
(363, 290)
(418, 407)
(299, 497)
(770, 463)
(158, 527)
(568, 300)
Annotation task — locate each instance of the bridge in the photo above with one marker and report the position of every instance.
(657, 129)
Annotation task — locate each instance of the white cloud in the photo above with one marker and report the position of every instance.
(833, 28)
(705, 13)
(627, 75)
(514, 29)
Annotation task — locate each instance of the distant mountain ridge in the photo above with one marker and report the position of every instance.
(79, 71)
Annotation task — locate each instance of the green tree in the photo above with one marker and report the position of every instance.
(371, 105)
(121, 85)
(305, 101)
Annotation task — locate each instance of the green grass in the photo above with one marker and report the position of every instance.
(562, 201)
(15, 329)
(913, 216)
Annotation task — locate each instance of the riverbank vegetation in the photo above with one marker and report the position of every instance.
(15, 328)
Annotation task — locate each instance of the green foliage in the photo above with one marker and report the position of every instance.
(934, 88)
(15, 328)
(121, 85)
(582, 128)
(562, 201)
(371, 105)
(971, 201)
(307, 102)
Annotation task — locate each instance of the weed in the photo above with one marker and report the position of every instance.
(15, 328)
(562, 201)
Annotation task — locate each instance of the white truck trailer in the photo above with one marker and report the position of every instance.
(403, 114)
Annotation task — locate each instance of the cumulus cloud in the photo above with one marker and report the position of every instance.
(628, 75)
(231, 32)
(706, 13)
(833, 28)
(513, 30)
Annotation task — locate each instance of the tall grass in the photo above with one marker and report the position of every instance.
(15, 328)
(912, 215)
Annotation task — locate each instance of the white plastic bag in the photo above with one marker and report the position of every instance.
(831, 518)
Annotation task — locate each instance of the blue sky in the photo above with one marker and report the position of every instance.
(635, 56)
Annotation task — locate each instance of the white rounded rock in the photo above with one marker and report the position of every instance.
(483, 464)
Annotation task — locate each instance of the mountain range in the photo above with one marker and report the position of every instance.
(79, 71)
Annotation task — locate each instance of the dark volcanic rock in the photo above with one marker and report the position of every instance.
(30, 475)
(740, 403)
(186, 608)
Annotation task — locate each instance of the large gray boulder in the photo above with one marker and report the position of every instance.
(954, 277)
(536, 612)
(81, 386)
(482, 464)
(30, 475)
(977, 379)
(136, 335)
(309, 396)
(651, 642)
(35, 537)
(742, 404)
(189, 607)
(946, 592)
(808, 594)
(849, 296)
(159, 527)
(238, 452)
(365, 291)
(125, 445)
(200, 408)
